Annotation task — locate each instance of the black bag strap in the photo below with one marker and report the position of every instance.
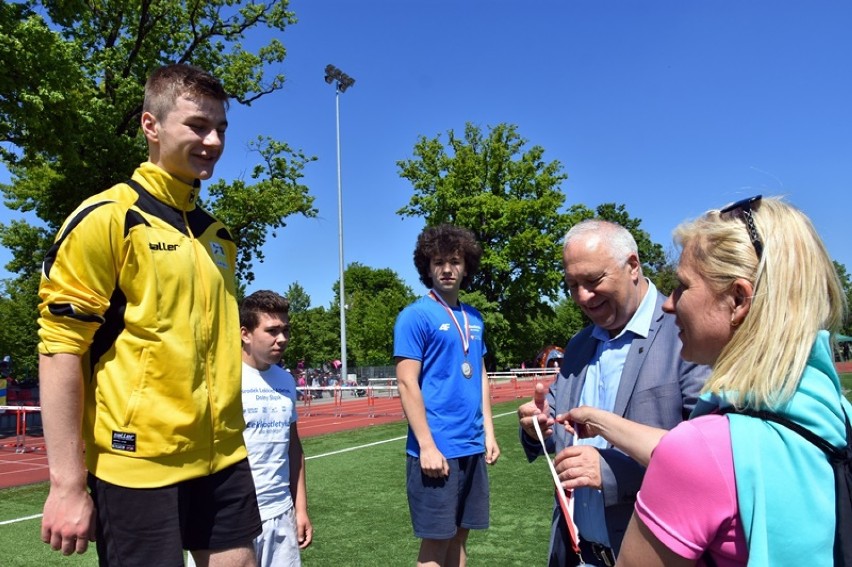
(834, 454)
(841, 463)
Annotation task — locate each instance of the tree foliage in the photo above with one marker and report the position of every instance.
(79, 68)
(846, 282)
(509, 196)
(374, 297)
(299, 299)
(251, 210)
(314, 337)
(72, 77)
(17, 305)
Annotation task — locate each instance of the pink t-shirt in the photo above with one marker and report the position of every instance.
(689, 495)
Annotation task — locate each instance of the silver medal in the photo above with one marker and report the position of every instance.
(467, 369)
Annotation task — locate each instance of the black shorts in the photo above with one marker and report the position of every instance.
(152, 526)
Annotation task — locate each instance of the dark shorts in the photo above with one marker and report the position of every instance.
(152, 526)
(439, 506)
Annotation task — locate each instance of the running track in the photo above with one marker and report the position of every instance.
(322, 416)
(325, 415)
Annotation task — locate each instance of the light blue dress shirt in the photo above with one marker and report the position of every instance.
(599, 390)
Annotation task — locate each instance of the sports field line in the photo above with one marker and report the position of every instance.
(16, 520)
(374, 443)
(348, 449)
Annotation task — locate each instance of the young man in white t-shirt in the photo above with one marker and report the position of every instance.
(271, 436)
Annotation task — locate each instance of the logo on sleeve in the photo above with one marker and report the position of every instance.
(219, 257)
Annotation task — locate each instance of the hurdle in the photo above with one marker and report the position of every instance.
(21, 425)
(307, 396)
(338, 401)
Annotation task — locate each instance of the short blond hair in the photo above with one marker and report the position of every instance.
(796, 294)
(170, 82)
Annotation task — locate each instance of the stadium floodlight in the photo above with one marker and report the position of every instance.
(342, 81)
(333, 74)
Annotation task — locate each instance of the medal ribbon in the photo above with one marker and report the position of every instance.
(465, 335)
(563, 496)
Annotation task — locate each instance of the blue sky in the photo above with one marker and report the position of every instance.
(668, 107)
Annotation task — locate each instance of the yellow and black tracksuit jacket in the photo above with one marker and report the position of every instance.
(140, 282)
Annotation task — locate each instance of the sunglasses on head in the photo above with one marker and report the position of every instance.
(743, 209)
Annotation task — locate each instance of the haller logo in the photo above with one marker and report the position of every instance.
(162, 246)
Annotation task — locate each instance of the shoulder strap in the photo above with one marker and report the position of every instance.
(834, 454)
(841, 463)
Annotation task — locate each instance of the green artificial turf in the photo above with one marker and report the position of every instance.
(357, 504)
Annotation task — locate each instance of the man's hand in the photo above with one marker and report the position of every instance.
(579, 465)
(432, 463)
(68, 524)
(538, 409)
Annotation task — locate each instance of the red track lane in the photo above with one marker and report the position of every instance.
(320, 417)
(325, 416)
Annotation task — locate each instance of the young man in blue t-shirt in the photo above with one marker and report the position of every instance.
(439, 349)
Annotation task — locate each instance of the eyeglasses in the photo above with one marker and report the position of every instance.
(743, 209)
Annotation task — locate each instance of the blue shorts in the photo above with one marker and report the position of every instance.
(152, 526)
(439, 506)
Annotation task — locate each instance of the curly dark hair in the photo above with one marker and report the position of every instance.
(263, 301)
(446, 239)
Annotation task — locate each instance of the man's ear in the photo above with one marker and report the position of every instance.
(149, 126)
(742, 293)
(635, 266)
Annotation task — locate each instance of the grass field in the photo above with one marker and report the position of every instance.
(846, 383)
(357, 504)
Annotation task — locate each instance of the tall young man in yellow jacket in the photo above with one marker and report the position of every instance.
(140, 358)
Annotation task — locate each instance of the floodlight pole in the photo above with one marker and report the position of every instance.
(341, 83)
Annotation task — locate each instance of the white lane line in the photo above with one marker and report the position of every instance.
(368, 445)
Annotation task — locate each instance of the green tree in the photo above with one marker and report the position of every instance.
(554, 328)
(314, 337)
(498, 335)
(17, 306)
(299, 299)
(846, 282)
(666, 277)
(251, 210)
(510, 197)
(374, 297)
(71, 89)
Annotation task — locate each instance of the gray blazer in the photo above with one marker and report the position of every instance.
(657, 388)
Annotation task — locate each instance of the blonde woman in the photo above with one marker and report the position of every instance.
(758, 297)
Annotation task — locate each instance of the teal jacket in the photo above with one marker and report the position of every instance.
(785, 486)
